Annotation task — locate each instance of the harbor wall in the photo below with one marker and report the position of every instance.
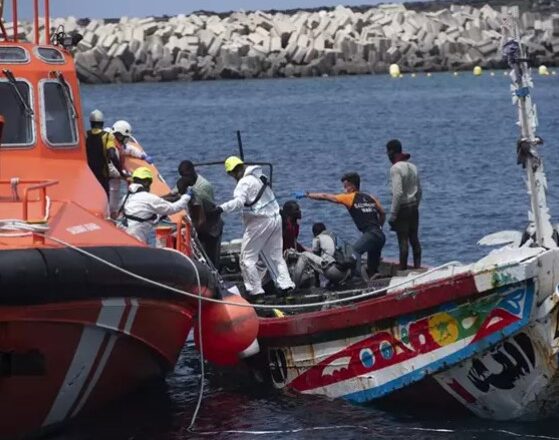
(338, 41)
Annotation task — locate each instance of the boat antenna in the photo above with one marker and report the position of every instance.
(240, 144)
(529, 143)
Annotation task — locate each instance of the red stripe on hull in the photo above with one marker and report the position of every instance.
(368, 311)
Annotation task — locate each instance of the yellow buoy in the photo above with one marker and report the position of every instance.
(542, 70)
(477, 71)
(394, 70)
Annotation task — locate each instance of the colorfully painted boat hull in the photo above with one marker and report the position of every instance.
(491, 347)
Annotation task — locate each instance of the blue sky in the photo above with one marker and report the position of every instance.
(141, 8)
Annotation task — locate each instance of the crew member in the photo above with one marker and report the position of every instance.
(141, 210)
(100, 148)
(122, 132)
(367, 214)
(406, 196)
(262, 236)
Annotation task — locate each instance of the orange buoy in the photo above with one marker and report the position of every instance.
(227, 330)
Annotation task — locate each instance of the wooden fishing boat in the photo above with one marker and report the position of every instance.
(86, 313)
(483, 337)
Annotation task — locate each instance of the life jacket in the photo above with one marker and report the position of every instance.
(364, 212)
(96, 153)
(133, 217)
(265, 185)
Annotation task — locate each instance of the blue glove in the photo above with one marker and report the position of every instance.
(189, 191)
(299, 194)
(147, 158)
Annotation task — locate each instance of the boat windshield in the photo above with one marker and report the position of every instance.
(15, 105)
(60, 124)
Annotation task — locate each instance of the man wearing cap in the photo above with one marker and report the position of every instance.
(263, 235)
(141, 210)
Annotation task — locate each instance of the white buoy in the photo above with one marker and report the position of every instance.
(413, 75)
(428, 74)
(542, 70)
(478, 71)
(491, 73)
(455, 73)
(394, 71)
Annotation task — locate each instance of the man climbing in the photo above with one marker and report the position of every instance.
(263, 236)
(406, 196)
(141, 210)
(290, 216)
(367, 214)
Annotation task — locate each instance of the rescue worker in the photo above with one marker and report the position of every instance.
(406, 196)
(141, 210)
(205, 217)
(367, 214)
(122, 131)
(262, 236)
(101, 149)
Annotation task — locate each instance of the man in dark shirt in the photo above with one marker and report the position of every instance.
(206, 220)
(367, 214)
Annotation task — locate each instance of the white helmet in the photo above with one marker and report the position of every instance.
(122, 127)
(96, 116)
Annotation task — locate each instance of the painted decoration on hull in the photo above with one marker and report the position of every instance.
(367, 367)
(513, 379)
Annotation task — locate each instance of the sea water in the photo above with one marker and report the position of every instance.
(461, 133)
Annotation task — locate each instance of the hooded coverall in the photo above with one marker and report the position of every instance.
(263, 236)
(144, 205)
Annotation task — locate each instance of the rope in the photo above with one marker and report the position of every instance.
(255, 306)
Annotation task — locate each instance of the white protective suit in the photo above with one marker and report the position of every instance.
(114, 176)
(263, 235)
(145, 205)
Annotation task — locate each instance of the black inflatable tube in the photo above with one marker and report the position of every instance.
(41, 276)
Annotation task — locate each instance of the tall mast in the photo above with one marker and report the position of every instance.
(529, 143)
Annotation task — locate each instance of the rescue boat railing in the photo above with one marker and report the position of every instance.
(34, 185)
(46, 11)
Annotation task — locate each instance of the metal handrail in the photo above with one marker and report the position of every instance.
(36, 185)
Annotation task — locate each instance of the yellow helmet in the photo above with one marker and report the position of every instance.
(142, 173)
(231, 163)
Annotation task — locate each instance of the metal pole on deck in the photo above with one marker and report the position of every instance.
(240, 143)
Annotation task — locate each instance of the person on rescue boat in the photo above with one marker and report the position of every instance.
(101, 150)
(201, 186)
(141, 210)
(262, 237)
(122, 131)
(367, 214)
(406, 196)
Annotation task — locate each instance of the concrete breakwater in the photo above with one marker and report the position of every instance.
(265, 45)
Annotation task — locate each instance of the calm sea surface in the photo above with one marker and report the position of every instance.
(461, 133)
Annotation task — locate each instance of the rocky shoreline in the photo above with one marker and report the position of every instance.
(338, 41)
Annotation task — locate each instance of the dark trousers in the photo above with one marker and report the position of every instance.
(371, 242)
(212, 246)
(407, 229)
(104, 181)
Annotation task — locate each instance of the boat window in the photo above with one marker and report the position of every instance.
(13, 54)
(59, 124)
(50, 55)
(18, 129)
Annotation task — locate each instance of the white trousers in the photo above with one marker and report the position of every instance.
(263, 238)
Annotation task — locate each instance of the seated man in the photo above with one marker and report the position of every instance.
(326, 258)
